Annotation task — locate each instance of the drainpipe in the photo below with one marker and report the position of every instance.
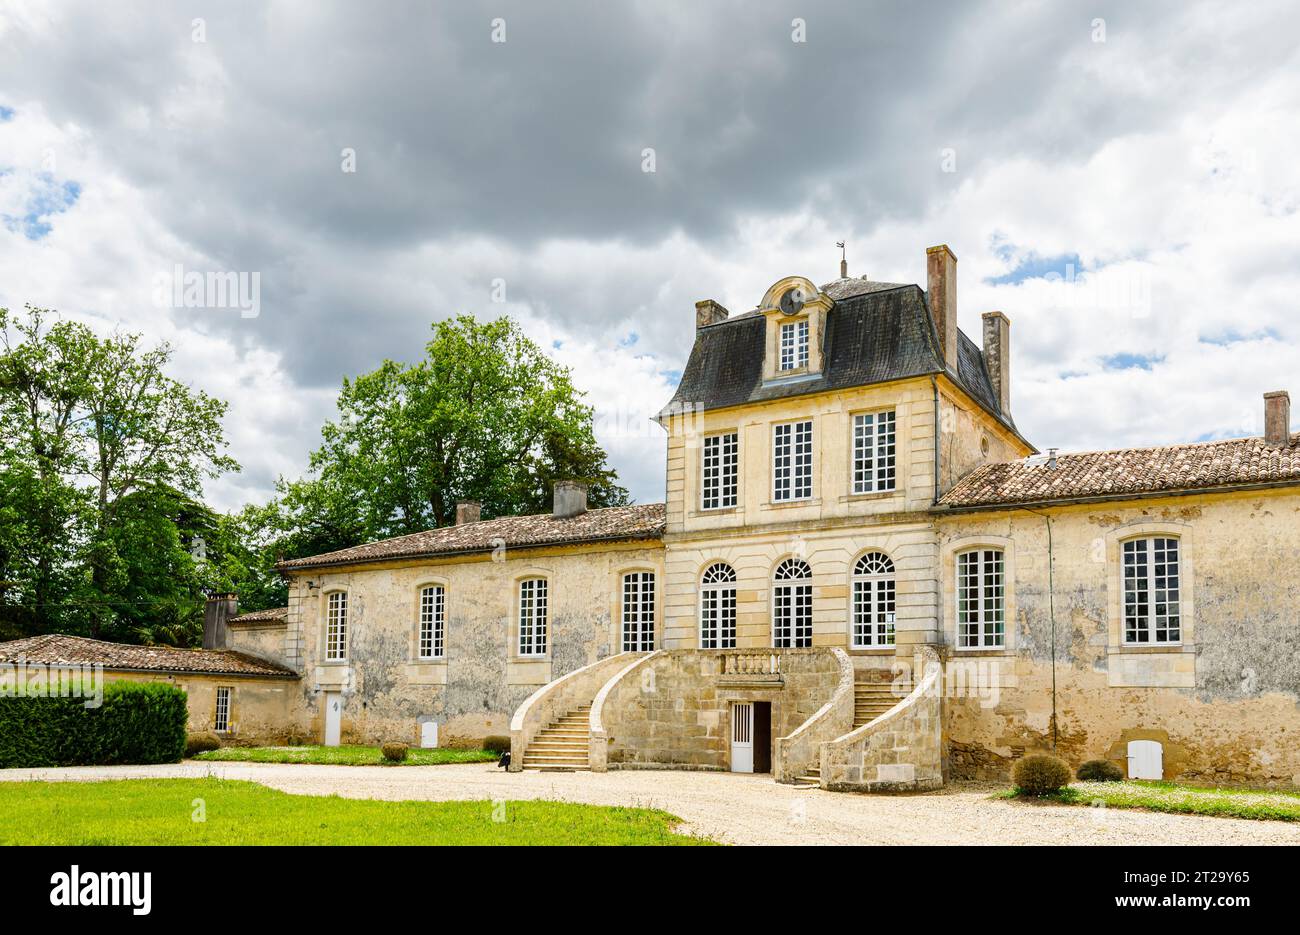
(1051, 606)
(934, 389)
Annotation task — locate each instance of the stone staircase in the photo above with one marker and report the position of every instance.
(870, 700)
(811, 779)
(563, 744)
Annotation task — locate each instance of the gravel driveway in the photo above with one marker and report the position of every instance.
(736, 808)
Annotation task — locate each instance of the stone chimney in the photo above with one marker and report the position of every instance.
(1277, 418)
(468, 511)
(997, 354)
(219, 609)
(941, 289)
(569, 499)
(709, 312)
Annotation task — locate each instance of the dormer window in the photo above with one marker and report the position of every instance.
(795, 313)
(794, 345)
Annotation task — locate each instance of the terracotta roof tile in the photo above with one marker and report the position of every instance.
(58, 649)
(270, 615)
(644, 521)
(1129, 471)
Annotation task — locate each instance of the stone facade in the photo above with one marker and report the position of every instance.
(388, 692)
(1221, 699)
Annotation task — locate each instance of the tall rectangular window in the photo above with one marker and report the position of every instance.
(874, 437)
(1151, 591)
(794, 345)
(792, 461)
(532, 617)
(432, 622)
(980, 599)
(721, 467)
(639, 612)
(221, 718)
(336, 626)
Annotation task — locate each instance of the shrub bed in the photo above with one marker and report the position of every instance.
(138, 722)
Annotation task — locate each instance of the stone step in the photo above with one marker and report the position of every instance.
(554, 746)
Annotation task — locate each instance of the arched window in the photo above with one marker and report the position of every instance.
(873, 601)
(336, 626)
(432, 622)
(718, 607)
(639, 612)
(792, 604)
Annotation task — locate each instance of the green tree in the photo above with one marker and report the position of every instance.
(485, 416)
(101, 450)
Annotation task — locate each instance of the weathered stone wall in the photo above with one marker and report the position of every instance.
(259, 707)
(676, 707)
(264, 640)
(473, 692)
(1223, 703)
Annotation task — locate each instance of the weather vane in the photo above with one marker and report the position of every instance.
(844, 260)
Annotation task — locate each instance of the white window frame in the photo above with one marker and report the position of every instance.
(875, 451)
(718, 607)
(431, 634)
(794, 345)
(534, 606)
(336, 626)
(984, 592)
(638, 612)
(792, 621)
(1148, 621)
(873, 590)
(792, 461)
(221, 713)
(719, 471)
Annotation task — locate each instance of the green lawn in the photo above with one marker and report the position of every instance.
(1172, 797)
(345, 756)
(164, 811)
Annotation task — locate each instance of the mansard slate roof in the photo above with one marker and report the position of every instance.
(875, 332)
(1129, 472)
(643, 521)
(270, 615)
(57, 649)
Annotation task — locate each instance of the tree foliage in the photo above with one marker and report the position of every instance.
(485, 416)
(101, 465)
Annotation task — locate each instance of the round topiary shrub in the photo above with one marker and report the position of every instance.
(496, 744)
(1099, 771)
(1040, 774)
(201, 743)
(394, 752)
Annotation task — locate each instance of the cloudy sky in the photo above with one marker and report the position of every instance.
(1120, 179)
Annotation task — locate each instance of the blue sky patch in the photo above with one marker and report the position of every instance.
(46, 199)
(1127, 361)
(6, 113)
(1032, 266)
(1233, 336)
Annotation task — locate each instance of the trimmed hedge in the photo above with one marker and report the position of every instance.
(139, 722)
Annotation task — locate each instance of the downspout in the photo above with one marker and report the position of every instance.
(1051, 608)
(934, 388)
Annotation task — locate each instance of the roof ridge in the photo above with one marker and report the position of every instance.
(1237, 439)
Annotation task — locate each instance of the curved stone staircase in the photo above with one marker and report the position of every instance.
(563, 744)
(870, 700)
